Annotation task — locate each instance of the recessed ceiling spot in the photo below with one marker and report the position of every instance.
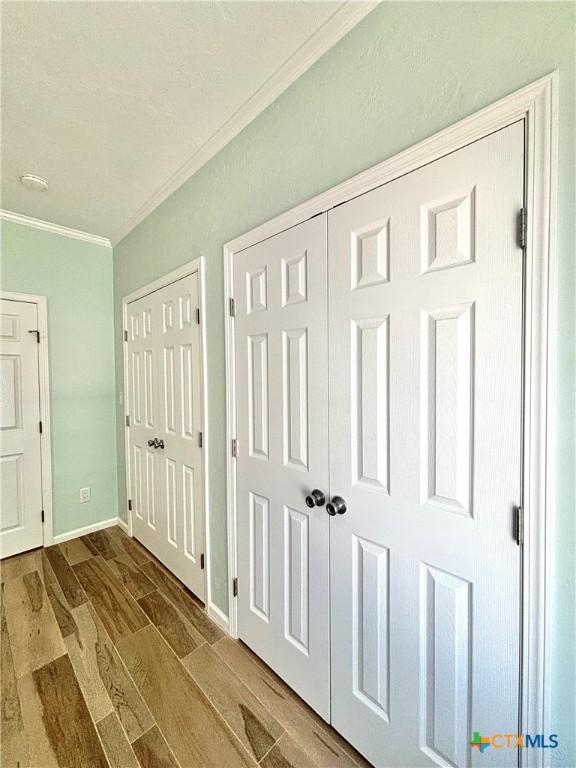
(34, 182)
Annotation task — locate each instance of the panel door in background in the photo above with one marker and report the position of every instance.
(165, 410)
(282, 432)
(20, 457)
(425, 447)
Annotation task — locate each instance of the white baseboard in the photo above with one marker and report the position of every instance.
(124, 525)
(218, 617)
(86, 529)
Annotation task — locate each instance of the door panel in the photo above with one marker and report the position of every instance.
(165, 390)
(20, 459)
(425, 299)
(282, 430)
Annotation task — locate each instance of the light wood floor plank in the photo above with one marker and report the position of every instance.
(247, 717)
(18, 565)
(178, 633)
(69, 584)
(82, 651)
(100, 543)
(66, 718)
(134, 549)
(194, 731)
(287, 754)
(117, 610)
(130, 576)
(153, 751)
(32, 748)
(103, 677)
(35, 637)
(59, 604)
(183, 601)
(116, 746)
(11, 722)
(316, 738)
(75, 551)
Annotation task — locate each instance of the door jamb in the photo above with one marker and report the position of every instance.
(44, 385)
(196, 265)
(537, 105)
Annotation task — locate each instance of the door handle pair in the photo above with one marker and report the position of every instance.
(155, 443)
(337, 506)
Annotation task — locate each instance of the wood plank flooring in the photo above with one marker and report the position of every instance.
(108, 661)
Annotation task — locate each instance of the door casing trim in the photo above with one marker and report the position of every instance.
(537, 105)
(44, 385)
(191, 267)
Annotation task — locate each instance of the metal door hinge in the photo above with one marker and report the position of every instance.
(519, 526)
(197, 315)
(37, 336)
(523, 227)
(235, 587)
(127, 421)
(200, 439)
(125, 335)
(42, 515)
(234, 448)
(129, 505)
(40, 427)
(232, 308)
(202, 561)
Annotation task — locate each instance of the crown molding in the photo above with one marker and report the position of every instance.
(333, 29)
(55, 229)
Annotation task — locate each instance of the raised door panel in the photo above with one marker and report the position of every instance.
(446, 659)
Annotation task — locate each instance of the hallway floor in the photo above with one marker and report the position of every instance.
(107, 660)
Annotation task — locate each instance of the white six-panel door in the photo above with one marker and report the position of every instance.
(165, 412)
(282, 432)
(425, 297)
(20, 459)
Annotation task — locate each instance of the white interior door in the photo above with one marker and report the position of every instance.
(282, 431)
(425, 430)
(165, 412)
(20, 457)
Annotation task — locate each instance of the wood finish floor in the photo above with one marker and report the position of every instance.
(107, 660)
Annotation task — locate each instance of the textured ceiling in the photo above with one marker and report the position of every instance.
(107, 100)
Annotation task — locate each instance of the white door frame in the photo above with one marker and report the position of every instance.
(44, 385)
(197, 265)
(537, 106)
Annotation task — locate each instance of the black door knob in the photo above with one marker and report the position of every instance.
(152, 443)
(315, 499)
(159, 443)
(337, 506)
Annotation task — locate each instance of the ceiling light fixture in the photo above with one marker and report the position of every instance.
(36, 183)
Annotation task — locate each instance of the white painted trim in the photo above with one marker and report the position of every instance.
(55, 229)
(197, 265)
(230, 362)
(327, 35)
(124, 525)
(44, 385)
(218, 617)
(87, 529)
(537, 105)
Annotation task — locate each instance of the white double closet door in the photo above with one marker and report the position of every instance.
(378, 353)
(164, 359)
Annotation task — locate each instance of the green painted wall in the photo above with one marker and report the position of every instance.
(77, 279)
(407, 71)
